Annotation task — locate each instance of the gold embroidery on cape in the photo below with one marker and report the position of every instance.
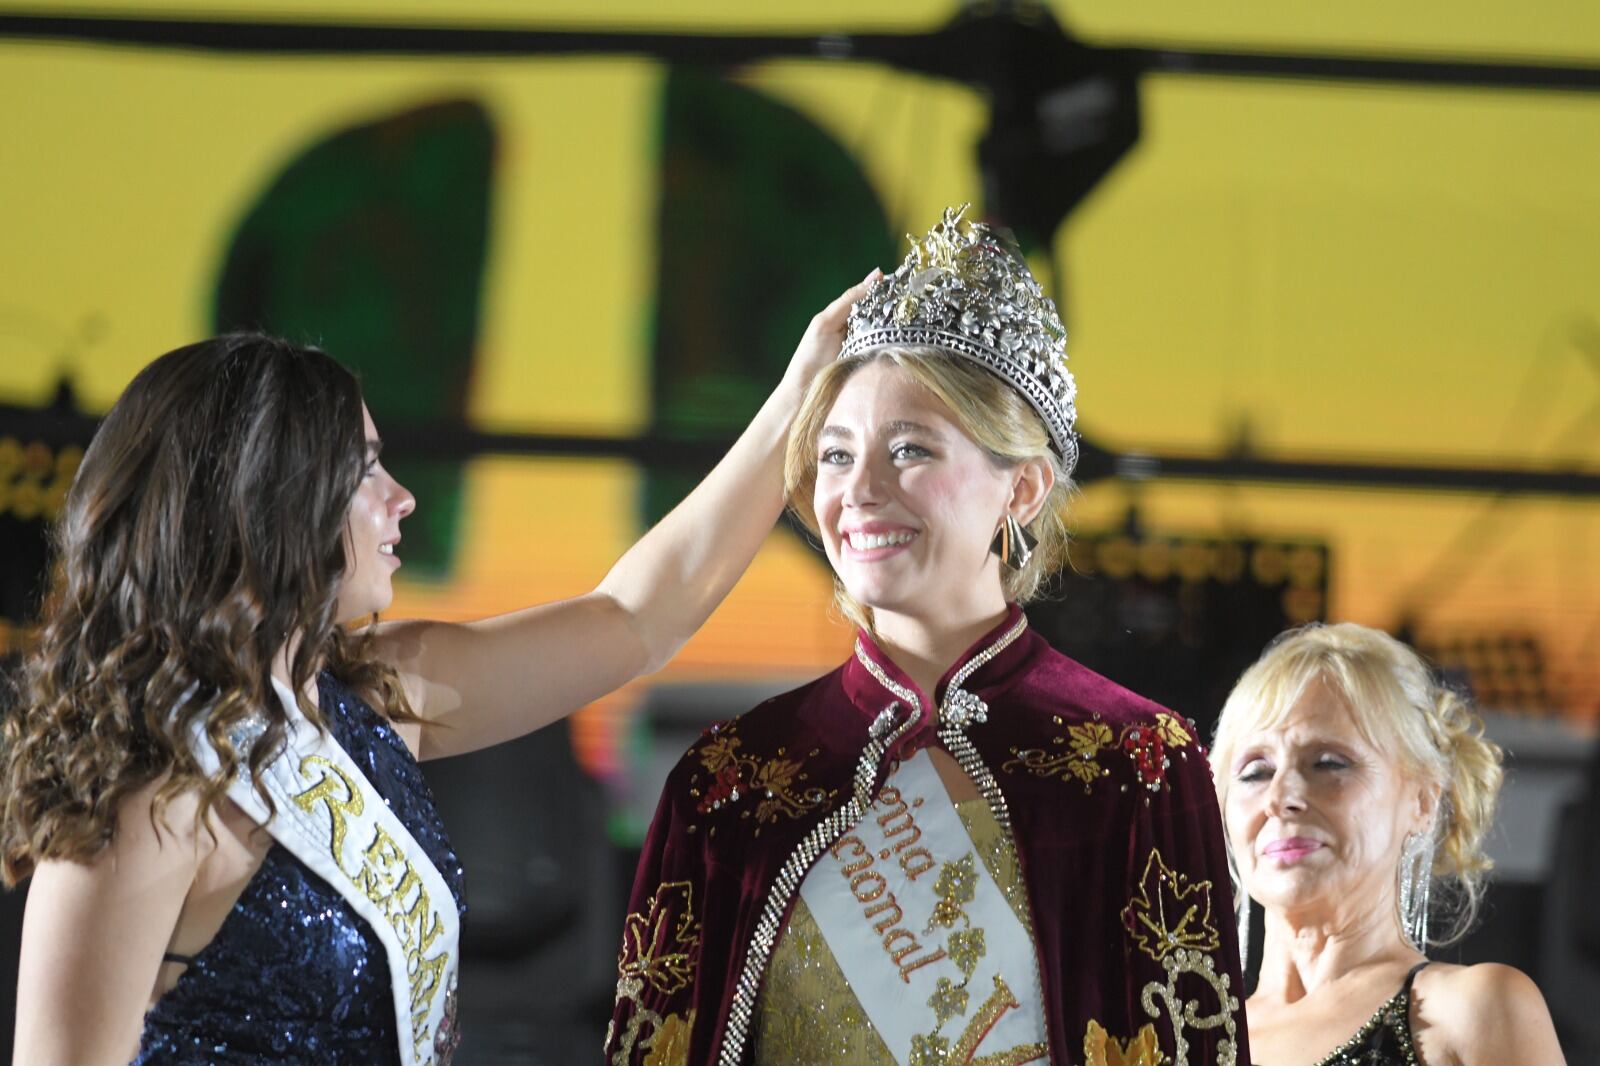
(1172, 730)
(1079, 761)
(1100, 1048)
(1186, 1012)
(1170, 912)
(656, 947)
(775, 783)
(1076, 755)
(1169, 918)
(668, 1042)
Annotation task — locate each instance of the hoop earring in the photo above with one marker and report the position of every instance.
(1243, 917)
(1416, 878)
(1013, 543)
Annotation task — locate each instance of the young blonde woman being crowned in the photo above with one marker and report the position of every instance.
(960, 846)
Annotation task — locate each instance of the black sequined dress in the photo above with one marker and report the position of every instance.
(294, 974)
(1386, 1038)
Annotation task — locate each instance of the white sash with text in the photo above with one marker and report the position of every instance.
(333, 820)
(927, 940)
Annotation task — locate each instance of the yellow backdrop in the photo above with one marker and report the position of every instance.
(1395, 274)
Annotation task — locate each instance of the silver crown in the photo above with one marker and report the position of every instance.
(965, 288)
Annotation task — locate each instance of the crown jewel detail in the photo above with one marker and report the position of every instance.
(965, 288)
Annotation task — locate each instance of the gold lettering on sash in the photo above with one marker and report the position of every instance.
(923, 867)
(869, 886)
(899, 814)
(864, 859)
(419, 917)
(907, 968)
(893, 937)
(387, 878)
(988, 1015)
(860, 853)
(883, 926)
(900, 954)
(426, 980)
(858, 879)
(860, 848)
(419, 1027)
(324, 792)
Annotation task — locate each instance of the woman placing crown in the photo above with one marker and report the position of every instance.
(960, 846)
(214, 785)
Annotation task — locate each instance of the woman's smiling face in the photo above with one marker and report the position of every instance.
(1317, 814)
(906, 502)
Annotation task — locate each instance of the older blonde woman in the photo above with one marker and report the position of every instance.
(1356, 794)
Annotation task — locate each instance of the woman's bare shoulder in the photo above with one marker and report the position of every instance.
(1486, 1012)
(1473, 987)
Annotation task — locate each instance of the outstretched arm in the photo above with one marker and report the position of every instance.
(484, 682)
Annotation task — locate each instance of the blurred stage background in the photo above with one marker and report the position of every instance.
(1331, 277)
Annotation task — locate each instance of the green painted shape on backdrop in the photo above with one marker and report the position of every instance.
(764, 219)
(372, 244)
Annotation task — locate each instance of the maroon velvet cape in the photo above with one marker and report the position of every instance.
(1109, 799)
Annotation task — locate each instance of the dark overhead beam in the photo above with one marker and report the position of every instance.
(438, 440)
(911, 50)
(1349, 474)
(274, 37)
(1416, 70)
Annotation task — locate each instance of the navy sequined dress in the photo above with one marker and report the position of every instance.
(293, 974)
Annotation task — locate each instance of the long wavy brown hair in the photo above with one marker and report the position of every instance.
(204, 534)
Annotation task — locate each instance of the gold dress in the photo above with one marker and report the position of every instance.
(807, 1013)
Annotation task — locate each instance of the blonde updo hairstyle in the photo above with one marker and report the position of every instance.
(1434, 734)
(986, 408)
